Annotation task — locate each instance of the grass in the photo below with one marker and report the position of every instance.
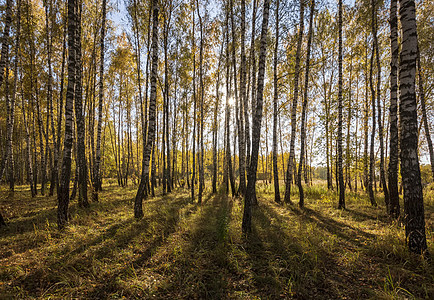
(191, 251)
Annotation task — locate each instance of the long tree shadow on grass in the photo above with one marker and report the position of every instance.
(31, 212)
(291, 262)
(83, 262)
(281, 266)
(344, 231)
(195, 264)
(159, 226)
(360, 216)
(26, 231)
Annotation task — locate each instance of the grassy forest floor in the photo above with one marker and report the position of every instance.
(185, 250)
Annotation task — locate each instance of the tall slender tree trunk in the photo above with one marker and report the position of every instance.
(349, 119)
(34, 88)
(243, 99)
(339, 146)
(187, 156)
(165, 104)
(215, 121)
(144, 113)
(394, 150)
(410, 171)
(193, 165)
(380, 123)
(138, 210)
(174, 174)
(276, 99)
(252, 66)
(227, 156)
(253, 94)
(4, 59)
(291, 165)
(202, 116)
(81, 130)
(256, 127)
(13, 98)
(10, 99)
(48, 12)
(356, 137)
(61, 96)
(28, 144)
(365, 126)
(305, 100)
(187, 152)
(153, 172)
(424, 114)
(328, 145)
(228, 175)
(244, 91)
(167, 182)
(238, 103)
(97, 184)
(372, 153)
(63, 193)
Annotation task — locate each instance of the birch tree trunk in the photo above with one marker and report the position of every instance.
(10, 99)
(35, 99)
(167, 183)
(215, 121)
(193, 165)
(372, 154)
(243, 103)
(275, 100)
(349, 119)
(303, 112)
(63, 193)
(256, 126)
(97, 174)
(341, 187)
(424, 115)
(380, 124)
(138, 210)
(291, 166)
(414, 217)
(394, 210)
(28, 144)
(61, 96)
(366, 163)
(81, 130)
(13, 98)
(48, 12)
(252, 65)
(5, 41)
(244, 90)
(202, 91)
(228, 172)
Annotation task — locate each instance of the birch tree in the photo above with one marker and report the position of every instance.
(256, 126)
(138, 210)
(305, 101)
(63, 193)
(291, 166)
(414, 217)
(393, 128)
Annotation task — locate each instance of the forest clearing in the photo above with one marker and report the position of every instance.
(216, 149)
(185, 250)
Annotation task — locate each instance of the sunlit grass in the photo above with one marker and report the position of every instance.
(187, 250)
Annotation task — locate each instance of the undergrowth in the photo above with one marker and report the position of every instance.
(181, 249)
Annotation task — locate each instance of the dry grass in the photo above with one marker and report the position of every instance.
(191, 251)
